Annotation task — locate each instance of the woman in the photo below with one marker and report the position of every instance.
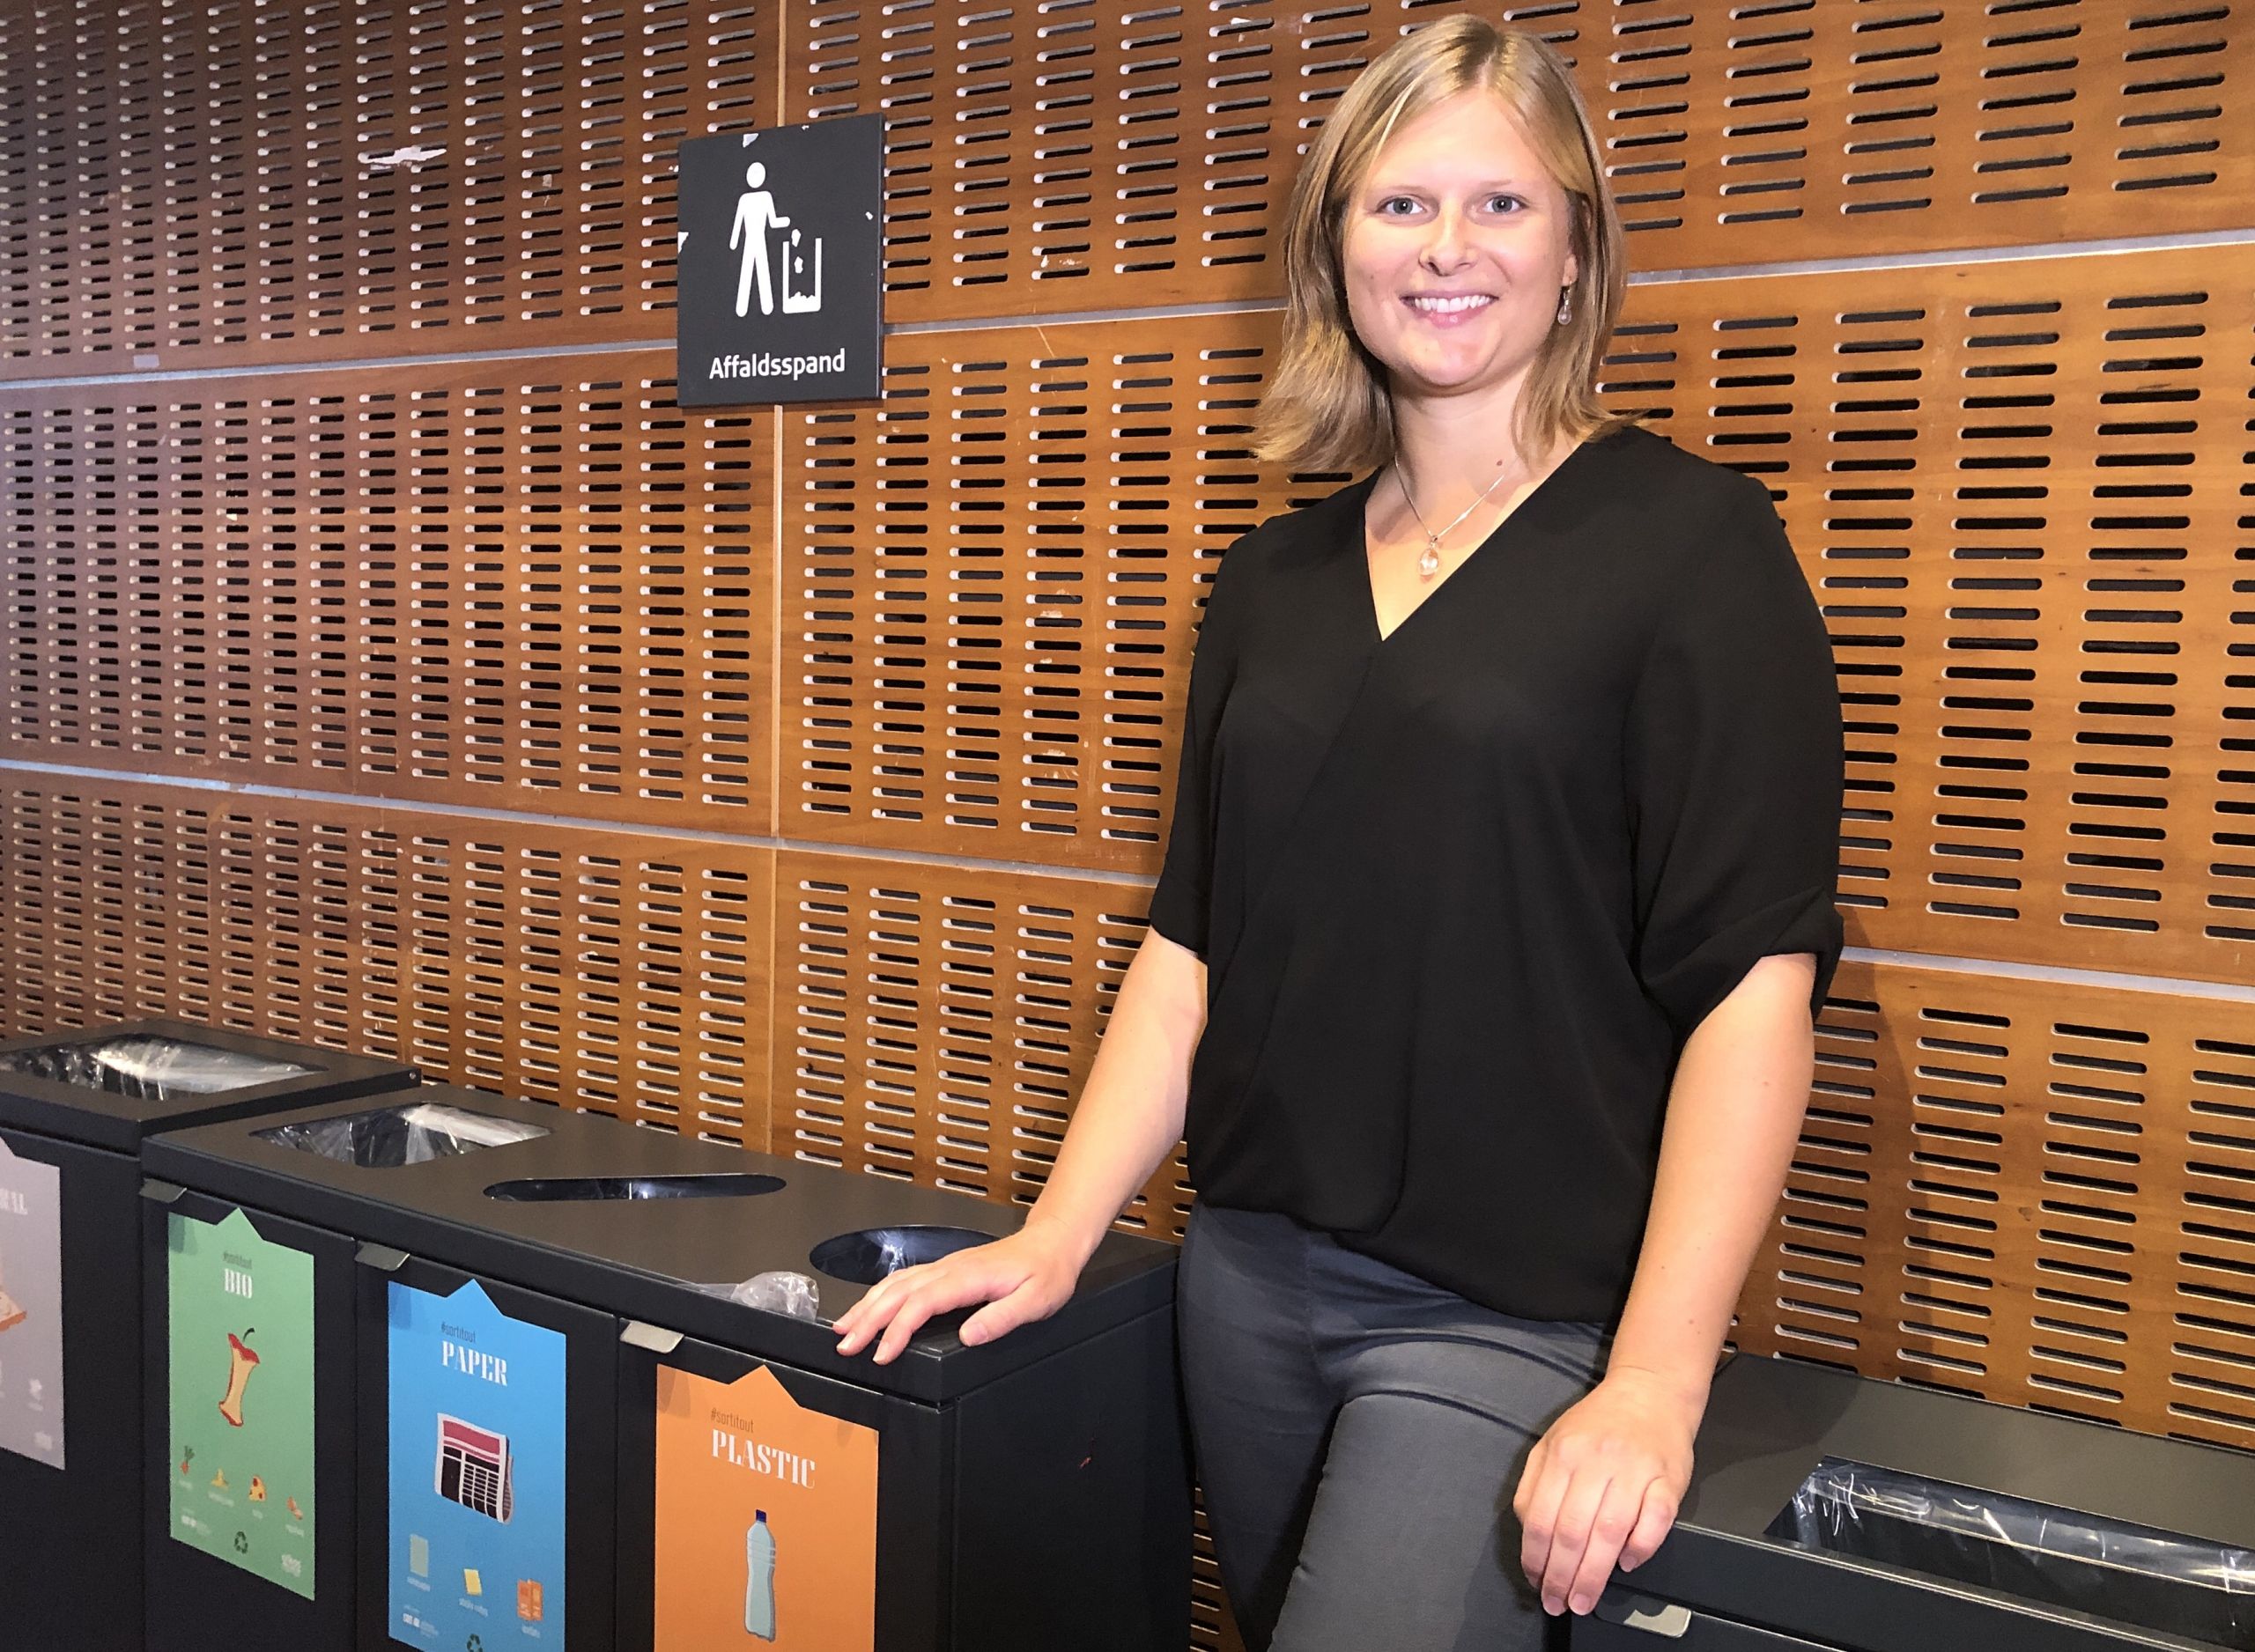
(1497, 898)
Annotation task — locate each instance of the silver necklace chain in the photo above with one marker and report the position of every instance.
(1428, 563)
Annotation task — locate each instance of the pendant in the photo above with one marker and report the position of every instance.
(1430, 564)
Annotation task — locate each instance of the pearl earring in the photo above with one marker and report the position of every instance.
(1565, 305)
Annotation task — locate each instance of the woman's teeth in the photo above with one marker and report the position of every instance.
(1451, 306)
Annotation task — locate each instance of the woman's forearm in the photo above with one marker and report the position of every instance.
(1733, 1117)
(1130, 1113)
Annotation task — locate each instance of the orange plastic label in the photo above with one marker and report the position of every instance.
(766, 1520)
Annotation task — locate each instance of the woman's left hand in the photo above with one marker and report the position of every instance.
(1603, 1484)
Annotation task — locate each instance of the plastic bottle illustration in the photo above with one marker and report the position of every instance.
(760, 1581)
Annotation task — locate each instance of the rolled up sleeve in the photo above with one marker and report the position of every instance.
(1733, 755)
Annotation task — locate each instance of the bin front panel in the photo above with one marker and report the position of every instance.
(240, 1383)
(1072, 1501)
(847, 1558)
(487, 1451)
(69, 1480)
(252, 1383)
(766, 1518)
(477, 1478)
(31, 1307)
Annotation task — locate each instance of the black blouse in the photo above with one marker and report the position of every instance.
(1464, 891)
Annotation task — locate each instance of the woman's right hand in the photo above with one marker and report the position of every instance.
(1021, 1278)
(1127, 1124)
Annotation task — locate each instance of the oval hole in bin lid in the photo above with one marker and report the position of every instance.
(867, 1257)
(546, 1190)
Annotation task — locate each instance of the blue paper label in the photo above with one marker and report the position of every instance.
(476, 1544)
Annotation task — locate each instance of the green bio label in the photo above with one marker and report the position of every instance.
(242, 1358)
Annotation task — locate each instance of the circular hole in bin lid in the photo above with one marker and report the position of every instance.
(867, 1257)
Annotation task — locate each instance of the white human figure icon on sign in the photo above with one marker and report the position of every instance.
(756, 215)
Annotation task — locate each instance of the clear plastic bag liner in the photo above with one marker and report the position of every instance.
(149, 1069)
(2132, 1574)
(414, 1134)
(775, 1293)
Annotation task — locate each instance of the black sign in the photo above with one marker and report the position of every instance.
(781, 265)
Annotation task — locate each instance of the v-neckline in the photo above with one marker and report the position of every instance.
(1379, 635)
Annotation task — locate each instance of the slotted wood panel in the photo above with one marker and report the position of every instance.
(529, 584)
(935, 1023)
(2021, 490)
(993, 578)
(219, 182)
(609, 971)
(2018, 490)
(213, 184)
(1075, 155)
(2035, 1193)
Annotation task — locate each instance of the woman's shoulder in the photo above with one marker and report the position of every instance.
(1643, 470)
(1309, 531)
(1679, 528)
(1316, 517)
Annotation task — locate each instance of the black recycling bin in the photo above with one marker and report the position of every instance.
(1832, 1513)
(74, 1108)
(728, 1479)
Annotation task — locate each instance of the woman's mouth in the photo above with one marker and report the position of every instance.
(1448, 307)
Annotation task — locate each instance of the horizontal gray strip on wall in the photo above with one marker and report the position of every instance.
(525, 817)
(2059, 975)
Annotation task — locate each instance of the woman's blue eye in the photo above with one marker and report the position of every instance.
(1506, 203)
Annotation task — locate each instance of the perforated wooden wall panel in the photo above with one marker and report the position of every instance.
(522, 584)
(618, 972)
(935, 1023)
(991, 582)
(235, 180)
(2017, 487)
(2021, 490)
(1071, 154)
(2037, 1192)
(244, 181)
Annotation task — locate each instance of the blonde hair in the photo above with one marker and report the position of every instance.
(1328, 407)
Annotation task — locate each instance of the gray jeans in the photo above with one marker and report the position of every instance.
(1360, 1434)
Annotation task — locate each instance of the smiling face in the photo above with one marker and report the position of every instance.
(1454, 248)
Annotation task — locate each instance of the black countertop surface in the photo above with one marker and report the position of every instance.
(1769, 1422)
(643, 1258)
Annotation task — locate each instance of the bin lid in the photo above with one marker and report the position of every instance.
(1769, 1424)
(109, 1086)
(637, 1222)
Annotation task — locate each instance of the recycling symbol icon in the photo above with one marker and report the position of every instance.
(242, 1543)
(474, 1644)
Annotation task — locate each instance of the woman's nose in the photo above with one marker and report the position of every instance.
(1446, 247)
